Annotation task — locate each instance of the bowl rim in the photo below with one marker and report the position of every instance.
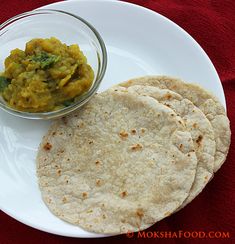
(84, 97)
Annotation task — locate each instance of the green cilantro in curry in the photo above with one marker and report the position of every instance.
(45, 59)
(47, 76)
(4, 82)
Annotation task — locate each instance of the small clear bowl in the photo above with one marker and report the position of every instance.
(69, 29)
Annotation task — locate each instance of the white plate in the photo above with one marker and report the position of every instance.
(139, 42)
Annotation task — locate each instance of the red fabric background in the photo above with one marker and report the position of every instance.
(212, 24)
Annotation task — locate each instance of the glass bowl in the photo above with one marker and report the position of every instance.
(69, 29)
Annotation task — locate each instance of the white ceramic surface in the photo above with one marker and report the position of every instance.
(139, 42)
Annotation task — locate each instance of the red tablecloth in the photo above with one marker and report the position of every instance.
(212, 24)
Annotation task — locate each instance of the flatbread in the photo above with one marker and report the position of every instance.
(204, 100)
(121, 163)
(196, 123)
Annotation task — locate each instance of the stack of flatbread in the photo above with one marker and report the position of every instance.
(133, 155)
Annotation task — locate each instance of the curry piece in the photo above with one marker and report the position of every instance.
(47, 76)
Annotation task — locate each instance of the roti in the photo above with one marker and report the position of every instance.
(204, 100)
(121, 163)
(196, 123)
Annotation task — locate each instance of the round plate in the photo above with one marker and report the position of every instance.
(139, 42)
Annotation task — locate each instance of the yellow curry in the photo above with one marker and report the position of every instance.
(47, 76)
